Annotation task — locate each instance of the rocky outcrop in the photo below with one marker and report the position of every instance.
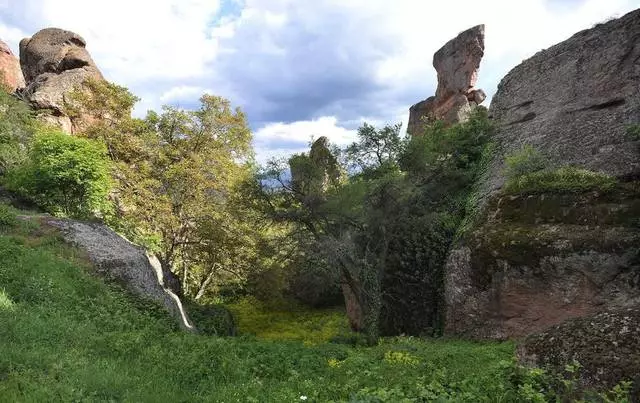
(457, 64)
(10, 74)
(574, 101)
(117, 259)
(532, 261)
(606, 346)
(536, 260)
(55, 62)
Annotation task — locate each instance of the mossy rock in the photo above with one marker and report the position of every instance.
(606, 345)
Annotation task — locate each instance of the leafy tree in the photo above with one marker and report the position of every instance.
(178, 178)
(64, 174)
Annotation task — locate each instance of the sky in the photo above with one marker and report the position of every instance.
(299, 69)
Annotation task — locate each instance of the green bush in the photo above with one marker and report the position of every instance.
(8, 217)
(525, 161)
(64, 174)
(566, 179)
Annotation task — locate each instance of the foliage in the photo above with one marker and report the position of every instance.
(179, 178)
(8, 217)
(17, 126)
(64, 174)
(441, 169)
(565, 179)
(384, 231)
(528, 171)
(375, 147)
(538, 385)
(212, 320)
(525, 161)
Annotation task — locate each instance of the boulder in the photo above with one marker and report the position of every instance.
(55, 62)
(11, 75)
(606, 346)
(457, 64)
(533, 261)
(119, 260)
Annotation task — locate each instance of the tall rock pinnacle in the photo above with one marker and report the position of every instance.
(457, 64)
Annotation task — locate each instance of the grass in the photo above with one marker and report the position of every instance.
(566, 179)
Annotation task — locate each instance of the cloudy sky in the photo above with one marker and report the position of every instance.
(299, 68)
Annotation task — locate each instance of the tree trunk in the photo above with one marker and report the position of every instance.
(204, 285)
(352, 304)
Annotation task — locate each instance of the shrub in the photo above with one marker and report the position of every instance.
(525, 161)
(7, 216)
(566, 179)
(64, 174)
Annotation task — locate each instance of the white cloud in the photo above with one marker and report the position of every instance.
(131, 40)
(294, 137)
(183, 93)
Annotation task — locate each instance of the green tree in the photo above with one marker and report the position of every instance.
(178, 176)
(64, 174)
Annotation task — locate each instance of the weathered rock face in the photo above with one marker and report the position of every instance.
(574, 101)
(535, 261)
(119, 260)
(54, 63)
(457, 64)
(606, 345)
(10, 71)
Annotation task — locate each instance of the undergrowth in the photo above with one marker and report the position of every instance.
(288, 321)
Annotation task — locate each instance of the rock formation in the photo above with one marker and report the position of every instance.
(54, 63)
(532, 261)
(606, 345)
(457, 64)
(11, 75)
(119, 260)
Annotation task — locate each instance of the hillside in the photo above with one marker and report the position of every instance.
(68, 336)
